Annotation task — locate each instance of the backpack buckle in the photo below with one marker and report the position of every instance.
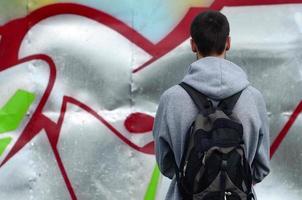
(209, 109)
(224, 165)
(227, 194)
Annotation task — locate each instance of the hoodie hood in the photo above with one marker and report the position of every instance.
(215, 77)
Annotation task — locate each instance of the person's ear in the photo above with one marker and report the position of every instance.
(228, 43)
(193, 46)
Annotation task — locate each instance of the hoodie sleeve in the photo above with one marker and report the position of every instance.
(163, 153)
(260, 165)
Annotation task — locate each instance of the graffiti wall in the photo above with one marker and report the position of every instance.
(80, 82)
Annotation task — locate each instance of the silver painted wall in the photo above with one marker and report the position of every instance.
(94, 65)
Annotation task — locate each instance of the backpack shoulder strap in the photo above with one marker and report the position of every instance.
(202, 102)
(227, 105)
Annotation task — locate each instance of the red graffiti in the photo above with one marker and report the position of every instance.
(282, 134)
(139, 123)
(14, 32)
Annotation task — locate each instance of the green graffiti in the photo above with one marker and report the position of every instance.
(12, 113)
(152, 187)
(3, 144)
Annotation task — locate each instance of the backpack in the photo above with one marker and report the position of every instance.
(213, 165)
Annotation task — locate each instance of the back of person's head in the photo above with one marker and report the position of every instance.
(209, 31)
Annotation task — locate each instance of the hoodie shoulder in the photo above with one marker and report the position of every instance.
(175, 97)
(257, 96)
(173, 92)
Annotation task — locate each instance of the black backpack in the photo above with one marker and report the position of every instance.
(213, 165)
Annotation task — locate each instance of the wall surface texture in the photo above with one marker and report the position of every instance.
(80, 82)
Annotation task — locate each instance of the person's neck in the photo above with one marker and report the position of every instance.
(199, 56)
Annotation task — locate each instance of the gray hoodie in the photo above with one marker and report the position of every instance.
(217, 78)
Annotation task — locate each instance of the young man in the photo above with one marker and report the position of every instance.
(218, 79)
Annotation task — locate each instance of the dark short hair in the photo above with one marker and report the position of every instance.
(210, 30)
